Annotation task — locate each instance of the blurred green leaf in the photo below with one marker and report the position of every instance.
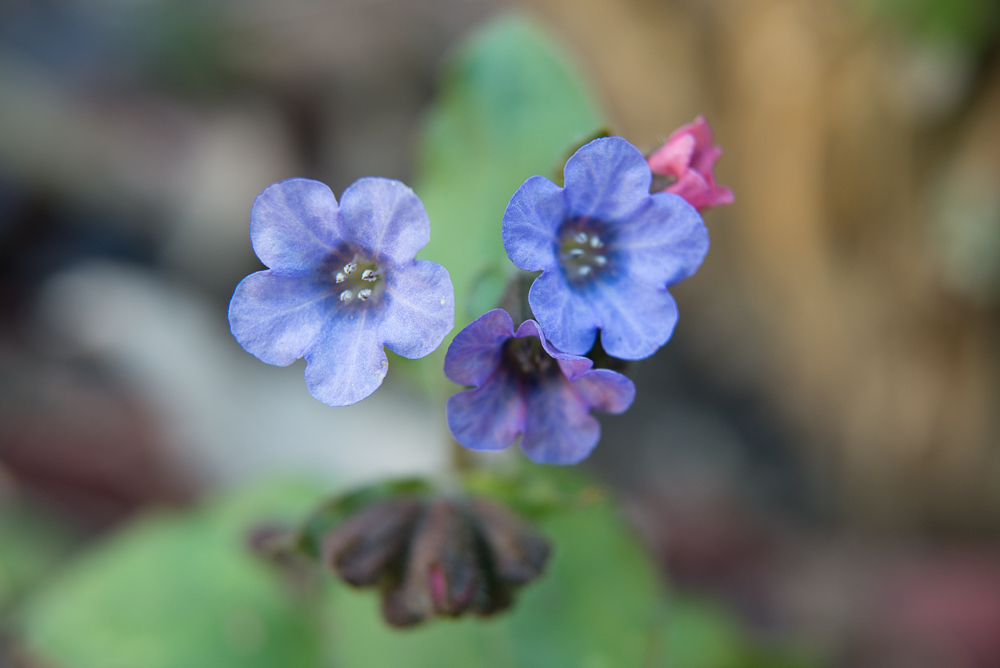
(969, 23)
(180, 591)
(30, 546)
(509, 107)
(597, 607)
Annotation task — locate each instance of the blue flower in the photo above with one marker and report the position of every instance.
(524, 385)
(607, 250)
(341, 283)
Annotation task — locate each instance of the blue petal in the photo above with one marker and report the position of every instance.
(277, 318)
(295, 225)
(558, 428)
(573, 366)
(488, 417)
(663, 243)
(475, 352)
(531, 223)
(347, 362)
(385, 217)
(607, 179)
(566, 316)
(635, 319)
(606, 391)
(419, 308)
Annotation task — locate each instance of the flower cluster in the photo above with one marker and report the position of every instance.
(342, 282)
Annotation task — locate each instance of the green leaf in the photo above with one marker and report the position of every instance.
(178, 591)
(597, 606)
(509, 107)
(30, 547)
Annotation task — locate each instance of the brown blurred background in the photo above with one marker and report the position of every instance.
(819, 445)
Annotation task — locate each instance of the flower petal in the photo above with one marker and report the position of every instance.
(573, 366)
(419, 308)
(699, 129)
(606, 391)
(674, 156)
(531, 223)
(488, 417)
(607, 179)
(385, 217)
(347, 362)
(664, 243)
(636, 319)
(475, 352)
(295, 225)
(558, 427)
(277, 318)
(565, 316)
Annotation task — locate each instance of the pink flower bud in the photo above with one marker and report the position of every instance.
(687, 157)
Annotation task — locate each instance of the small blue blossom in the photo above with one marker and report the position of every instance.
(607, 250)
(342, 282)
(522, 384)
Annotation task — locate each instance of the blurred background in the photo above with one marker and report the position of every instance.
(817, 450)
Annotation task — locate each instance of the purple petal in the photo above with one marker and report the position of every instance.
(565, 316)
(419, 309)
(475, 352)
(531, 222)
(558, 428)
(636, 319)
(347, 362)
(488, 417)
(277, 318)
(295, 225)
(663, 243)
(606, 391)
(573, 366)
(385, 217)
(607, 179)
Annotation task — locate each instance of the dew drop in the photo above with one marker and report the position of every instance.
(346, 296)
(350, 267)
(364, 294)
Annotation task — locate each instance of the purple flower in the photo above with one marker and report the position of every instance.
(341, 283)
(607, 250)
(524, 385)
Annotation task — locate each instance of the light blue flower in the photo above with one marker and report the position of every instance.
(607, 250)
(342, 282)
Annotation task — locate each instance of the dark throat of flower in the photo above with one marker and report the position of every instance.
(527, 360)
(583, 249)
(357, 279)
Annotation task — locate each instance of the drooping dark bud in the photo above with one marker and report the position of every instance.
(517, 552)
(364, 548)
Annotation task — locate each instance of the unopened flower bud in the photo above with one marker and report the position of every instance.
(517, 552)
(367, 545)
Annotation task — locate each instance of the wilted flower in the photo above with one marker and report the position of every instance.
(607, 250)
(523, 385)
(688, 157)
(342, 282)
(434, 557)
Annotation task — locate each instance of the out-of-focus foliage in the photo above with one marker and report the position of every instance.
(30, 546)
(186, 591)
(180, 590)
(967, 22)
(509, 107)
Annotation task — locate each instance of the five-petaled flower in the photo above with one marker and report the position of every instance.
(342, 282)
(607, 250)
(522, 384)
(688, 157)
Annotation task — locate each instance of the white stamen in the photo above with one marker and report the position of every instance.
(581, 237)
(350, 267)
(364, 294)
(340, 277)
(346, 296)
(584, 270)
(368, 275)
(595, 242)
(600, 260)
(575, 252)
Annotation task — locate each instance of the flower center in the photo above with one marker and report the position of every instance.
(357, 279)
(526, 358)
(583, 251)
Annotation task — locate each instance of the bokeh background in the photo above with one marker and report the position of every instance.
(817, 450)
